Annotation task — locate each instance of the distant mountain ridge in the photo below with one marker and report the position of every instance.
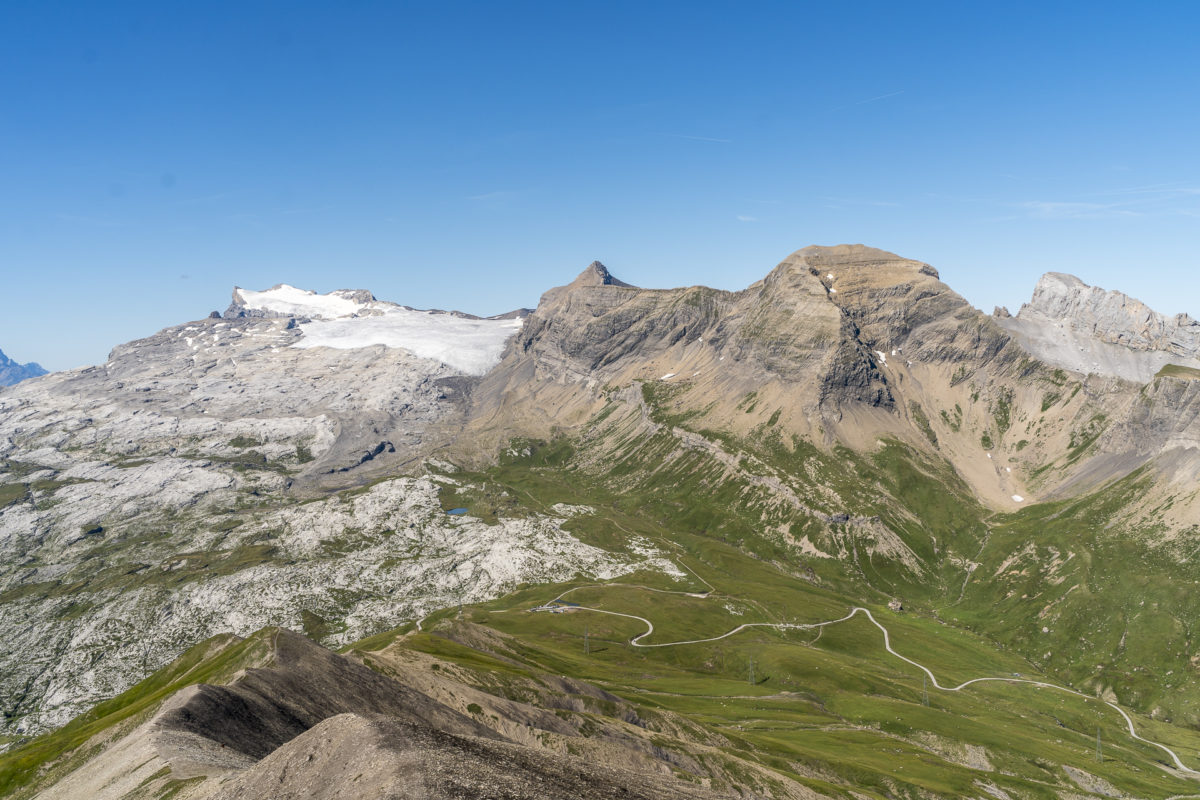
(12, 373)
(1086, 329)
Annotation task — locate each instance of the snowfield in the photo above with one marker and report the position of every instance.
(293, 302)
(343, 321)
(472, 346)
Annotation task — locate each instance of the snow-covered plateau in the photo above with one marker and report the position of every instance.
(351, 319)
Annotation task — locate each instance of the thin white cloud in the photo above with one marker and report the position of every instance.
(1042, 209)
(744, 218)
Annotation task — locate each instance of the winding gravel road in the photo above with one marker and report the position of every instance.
(887, 644)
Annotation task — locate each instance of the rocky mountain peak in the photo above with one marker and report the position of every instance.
(11, 372)
(596, 274)
(1110, 316)
(1090, 330)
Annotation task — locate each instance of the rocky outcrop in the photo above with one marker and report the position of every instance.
(12, 373)
(1112, 316)
(1089, 330)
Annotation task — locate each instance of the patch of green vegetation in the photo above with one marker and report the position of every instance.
(130, 463)
(1178, 371)
(474, 708)
(953, 423)
(1049, 399)
(485, 501)
(12, 493)
(51, 486)
(176, 787)
(1021, 445)
(248, 460)
(227, 524)
(303, 454)
(317, 627)
(1002, 410)
(211, 661)
(1084, 437)
(918, 415)
(18, 469)
(242, 442)
(664, 403)
(749, 402)
(985, 441)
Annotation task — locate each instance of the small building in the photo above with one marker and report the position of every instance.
(895, 605)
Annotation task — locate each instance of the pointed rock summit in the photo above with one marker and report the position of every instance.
(596, 274)
(11, 372)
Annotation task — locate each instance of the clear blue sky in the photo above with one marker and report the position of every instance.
(472, 155)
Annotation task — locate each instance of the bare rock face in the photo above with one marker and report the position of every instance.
(819, 329)
(1087, 329)
(1112, 316)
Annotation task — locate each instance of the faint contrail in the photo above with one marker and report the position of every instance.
(869, 100)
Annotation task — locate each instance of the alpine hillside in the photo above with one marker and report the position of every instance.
(703, 543)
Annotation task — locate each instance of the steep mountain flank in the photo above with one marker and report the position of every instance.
(843, 345)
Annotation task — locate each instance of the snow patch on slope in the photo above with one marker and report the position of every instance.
(472, 346)
(289, 300)
(346, 320)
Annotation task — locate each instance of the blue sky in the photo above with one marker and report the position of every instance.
(464, 155)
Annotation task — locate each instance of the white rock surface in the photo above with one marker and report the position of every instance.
(1092, 331)
(156, 500)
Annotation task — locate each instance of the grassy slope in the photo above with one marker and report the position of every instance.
(211, 661)
(835, 710)
(855, 714)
